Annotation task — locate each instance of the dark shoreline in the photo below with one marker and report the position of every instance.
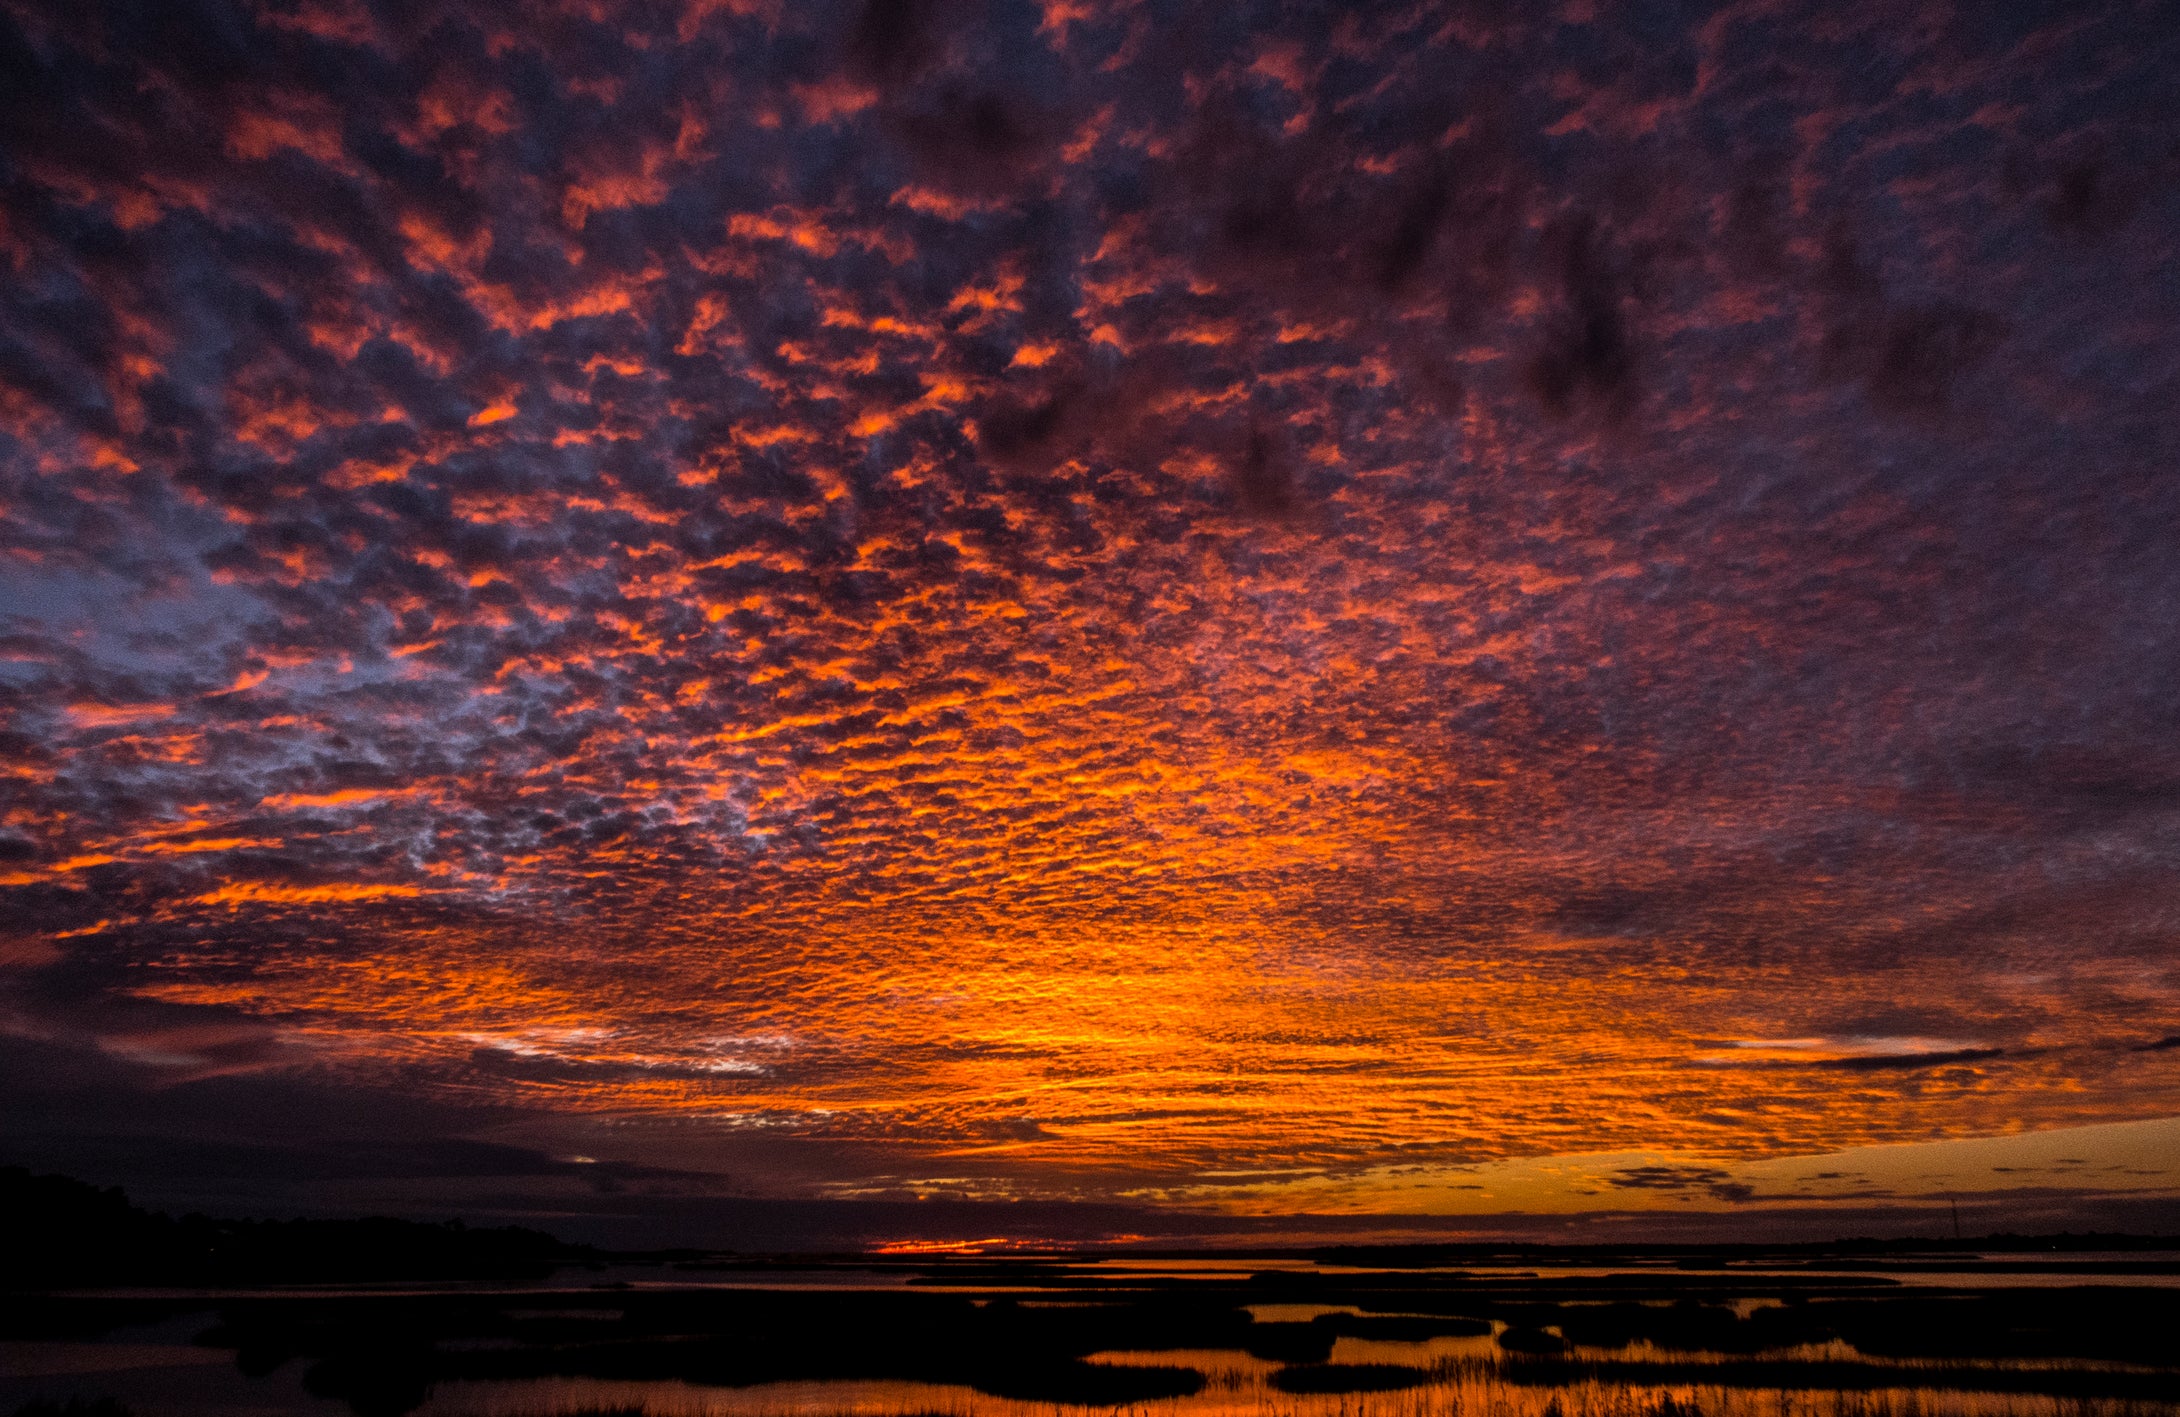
(384, 1352)
(378, 1312)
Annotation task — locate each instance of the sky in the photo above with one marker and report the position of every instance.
(1252, 616)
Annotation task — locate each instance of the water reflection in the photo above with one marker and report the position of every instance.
(1054, 1337)
(1238, 1387)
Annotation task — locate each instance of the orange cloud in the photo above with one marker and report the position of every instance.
(249, 892)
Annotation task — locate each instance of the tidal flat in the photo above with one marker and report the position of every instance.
(1447, 1332)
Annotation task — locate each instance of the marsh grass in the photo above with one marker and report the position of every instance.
(1453, 1388)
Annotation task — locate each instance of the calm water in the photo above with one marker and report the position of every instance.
(163, 1369)
(178, 1379)
(1455, 1396)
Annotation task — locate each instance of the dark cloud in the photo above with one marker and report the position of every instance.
(1589, 352)
(1710, 1181)
(2087, 198)
(1924, 348)
(1904, 1062)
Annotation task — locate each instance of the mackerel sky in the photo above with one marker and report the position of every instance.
(1251, 608)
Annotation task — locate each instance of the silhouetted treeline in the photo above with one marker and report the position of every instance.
(62, 1233)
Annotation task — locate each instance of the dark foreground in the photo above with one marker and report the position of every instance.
(1027, 1331)
(2020, 1330)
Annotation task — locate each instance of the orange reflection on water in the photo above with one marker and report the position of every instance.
(1237, 1386)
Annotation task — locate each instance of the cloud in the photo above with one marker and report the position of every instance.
(1710, 1181)
(1161, 595)
(1858, 1053)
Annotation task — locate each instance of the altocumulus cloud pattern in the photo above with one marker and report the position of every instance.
(1074, 599)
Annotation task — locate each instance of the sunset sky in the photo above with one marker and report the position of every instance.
(1277, 610)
